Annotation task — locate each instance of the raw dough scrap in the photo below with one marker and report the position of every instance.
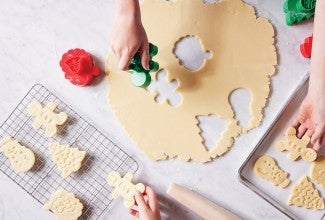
(317, 171)
(266, 168)
(303, 194)
(124, 187)
(46, 117)
(68, 159)
(21, 158)
(64, 205)
(296, 147)
(243, 56)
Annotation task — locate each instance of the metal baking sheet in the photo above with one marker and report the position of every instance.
(274, 195)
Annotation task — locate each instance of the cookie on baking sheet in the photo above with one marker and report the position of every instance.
(296, 147)
(303, 194)
(68, 159)
(64, 205)
(266, 168)
(46, 117)
(21, 158)
(124, 187)
(317, 171)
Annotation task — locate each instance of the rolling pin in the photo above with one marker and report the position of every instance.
(198, 204)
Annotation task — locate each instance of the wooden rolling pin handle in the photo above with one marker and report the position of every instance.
(200, 205)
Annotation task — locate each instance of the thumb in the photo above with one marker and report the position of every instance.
(145, 55)
(141, 203)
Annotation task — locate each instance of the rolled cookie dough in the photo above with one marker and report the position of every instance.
(317, 171)
(21, 158)
(46, 117)
(266, 168)
(67, 159)
(124, 187)
(64, 205)
(296, 147)
(303, 194)
(243, 56)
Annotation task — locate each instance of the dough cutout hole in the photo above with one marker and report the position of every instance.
(239, 100)
(165, 90)
(190, 53)
(211, 129)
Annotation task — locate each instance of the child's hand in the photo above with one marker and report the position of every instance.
(311, 120)
(148, 205)
(128, 36)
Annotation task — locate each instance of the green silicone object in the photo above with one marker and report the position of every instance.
(140, 76)
(298, 10)
(141, 79)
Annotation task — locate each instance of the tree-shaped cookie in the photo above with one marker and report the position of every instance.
(67, 159)
(124, 187)
(46, 117)
(266, 168)
(303, 194)
(317, 171)
(296, 147)
(21, 158)
(64, 205)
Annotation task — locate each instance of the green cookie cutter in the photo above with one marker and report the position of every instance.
(298, 10)
(140, 76)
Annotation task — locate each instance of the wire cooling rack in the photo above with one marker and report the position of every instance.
(89, 183)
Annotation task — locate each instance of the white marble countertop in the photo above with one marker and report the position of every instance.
(33, 36)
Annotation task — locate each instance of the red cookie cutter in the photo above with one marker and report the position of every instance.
(306, 47)
(79, 67)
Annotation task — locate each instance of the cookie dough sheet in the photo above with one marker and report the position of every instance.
(297, 169)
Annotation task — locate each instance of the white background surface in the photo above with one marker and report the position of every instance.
(33, 36)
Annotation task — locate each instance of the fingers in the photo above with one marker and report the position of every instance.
(309, 132)
(301, 131)
(317, 138)
(152, 198)
(295, 123)
(133, 212)
(125, 59)
(144, 52)
(141, 203)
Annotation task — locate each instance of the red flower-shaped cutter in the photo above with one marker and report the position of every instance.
(79, 67)
(306, 47)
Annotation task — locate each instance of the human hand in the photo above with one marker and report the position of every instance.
(311, 120)
(127, 37)
(147, 204)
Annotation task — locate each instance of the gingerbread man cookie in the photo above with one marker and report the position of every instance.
(124, 187)
(266, 168)
(296, 147)
(67, 159)
(317, 171)
(46, 117)
(21, 158)
(64, 205)
(303, 194)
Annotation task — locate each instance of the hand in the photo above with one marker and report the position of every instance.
(128, 36)
(311, 120)
(148, 205)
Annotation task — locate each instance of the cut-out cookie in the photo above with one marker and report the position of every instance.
(266, 168)
(303, 194)
(296, 147)
(317, 171)
(68, 159)
(64, 205)
(46, 117)
(124, 187)
(21, 158)
(242, 49)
